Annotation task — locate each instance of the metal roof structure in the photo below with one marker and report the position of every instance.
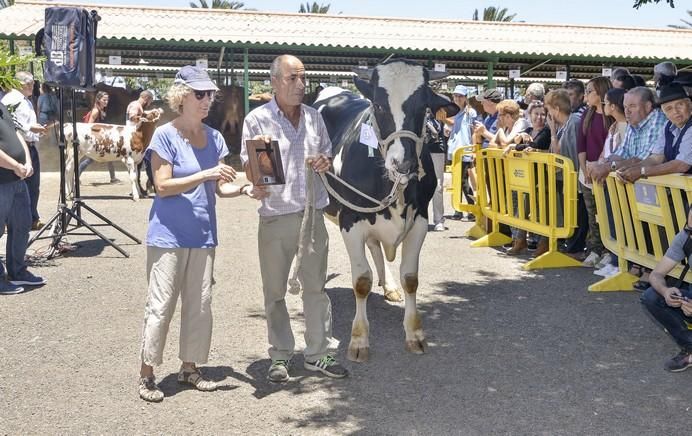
(333, 44)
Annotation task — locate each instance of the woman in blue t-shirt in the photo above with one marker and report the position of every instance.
(187, 161)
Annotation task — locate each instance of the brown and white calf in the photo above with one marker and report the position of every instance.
(111, 143)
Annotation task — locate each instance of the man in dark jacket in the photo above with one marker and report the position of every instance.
(15, 206)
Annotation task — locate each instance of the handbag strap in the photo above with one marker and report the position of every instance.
(682, 276)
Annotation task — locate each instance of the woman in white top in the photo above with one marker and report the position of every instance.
(615, 108)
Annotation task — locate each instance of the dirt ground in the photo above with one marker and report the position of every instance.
(511, 352)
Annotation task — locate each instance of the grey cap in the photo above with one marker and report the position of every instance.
(196, 78)
(491, 95)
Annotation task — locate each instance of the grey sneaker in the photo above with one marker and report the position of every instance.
(680, 362)
(327, 366)
(7, 288)
(278, 372)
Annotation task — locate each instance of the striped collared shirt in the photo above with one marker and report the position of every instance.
(295, 144)
(23, 114)
(640, 140)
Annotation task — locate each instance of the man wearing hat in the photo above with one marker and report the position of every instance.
(489, 99)
(459, 136)
(673, 152)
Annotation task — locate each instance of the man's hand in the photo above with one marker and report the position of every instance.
(671, 301)
(256, 192)
(479, 128)
(599, 171)
(20, 171)
(320, 163)
(29, 169)
(266, 138)
(631, 174)
(37, 128)
(686, 307)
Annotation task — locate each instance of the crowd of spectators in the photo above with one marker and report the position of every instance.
(610, 124)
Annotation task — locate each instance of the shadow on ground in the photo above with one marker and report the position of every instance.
(505, 356)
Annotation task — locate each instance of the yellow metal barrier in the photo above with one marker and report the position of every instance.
(646, 216)
(477, 231)
(524, 192)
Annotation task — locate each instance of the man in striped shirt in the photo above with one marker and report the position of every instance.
(644, 130)
(301, 134)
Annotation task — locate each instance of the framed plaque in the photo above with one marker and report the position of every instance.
(265, 162)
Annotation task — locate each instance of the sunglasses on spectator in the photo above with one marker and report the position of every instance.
(199, 95)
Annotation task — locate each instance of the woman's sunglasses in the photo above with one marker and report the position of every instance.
(199, 95)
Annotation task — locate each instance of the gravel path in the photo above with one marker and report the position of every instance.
(511, 352)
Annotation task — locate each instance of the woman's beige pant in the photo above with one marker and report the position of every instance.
(172, 272)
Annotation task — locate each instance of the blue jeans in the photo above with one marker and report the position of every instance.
(678, 325)
(33, 183)
(15, 211)
(87, 161)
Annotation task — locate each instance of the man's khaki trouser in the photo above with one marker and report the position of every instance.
(277, 246)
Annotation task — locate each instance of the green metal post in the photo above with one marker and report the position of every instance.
(13, 69)
(246, 80)
(490, 83)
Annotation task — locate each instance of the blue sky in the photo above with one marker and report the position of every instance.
(595, 12)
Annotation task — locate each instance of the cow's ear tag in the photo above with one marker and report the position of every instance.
(367, 137)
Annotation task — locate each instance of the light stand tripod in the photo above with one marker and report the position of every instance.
(59, 223)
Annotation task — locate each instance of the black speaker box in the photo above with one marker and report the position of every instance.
(69, 44)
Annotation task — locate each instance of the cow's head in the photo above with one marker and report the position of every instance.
(151, 116)
(400, 93)
(144, 130)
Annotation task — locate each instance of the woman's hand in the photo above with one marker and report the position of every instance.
(522, 138)
(220, 172)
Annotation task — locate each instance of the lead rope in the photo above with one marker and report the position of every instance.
(294, 285)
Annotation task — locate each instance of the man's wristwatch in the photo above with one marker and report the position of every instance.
(613, 166)
(643, 172)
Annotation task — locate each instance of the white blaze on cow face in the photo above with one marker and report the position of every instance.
(400, 81)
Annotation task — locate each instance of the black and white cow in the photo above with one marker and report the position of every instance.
(397, 95)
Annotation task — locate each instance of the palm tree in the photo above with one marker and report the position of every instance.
(216, 4)
(688, 24)
(639, 3)
(315, 8)
(492, 13)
